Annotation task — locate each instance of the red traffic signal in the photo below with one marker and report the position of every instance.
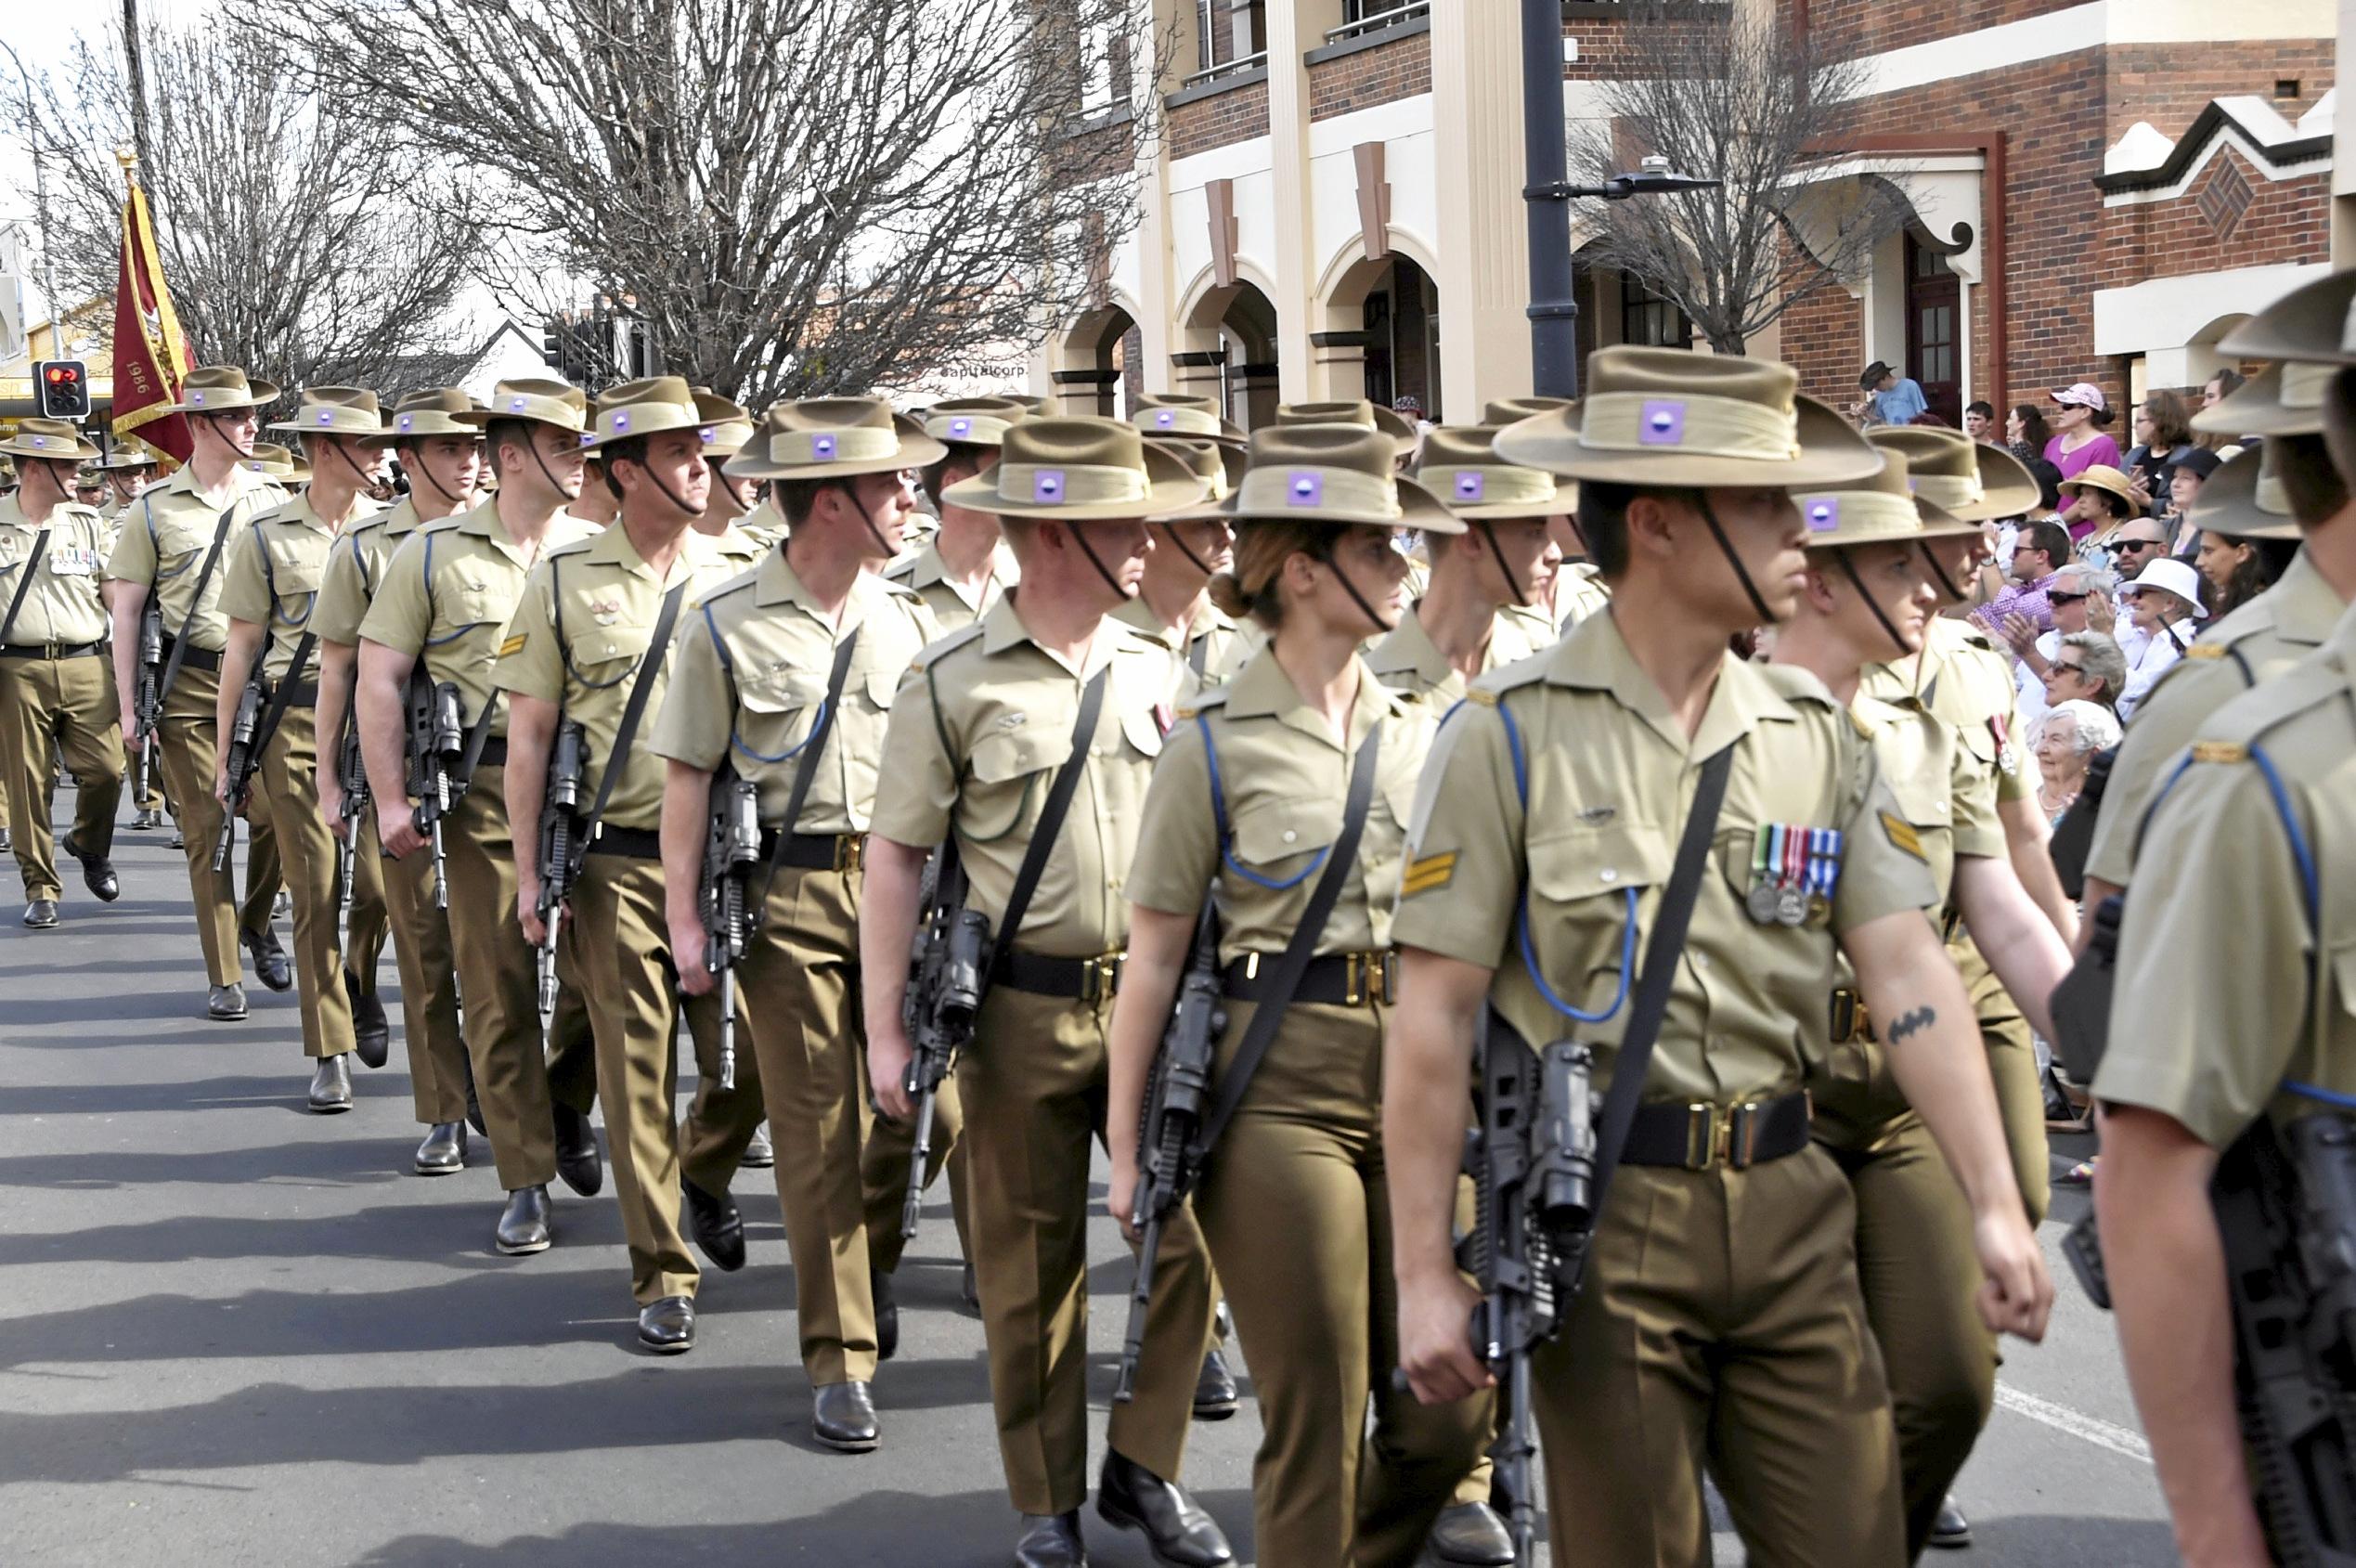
(62, 388)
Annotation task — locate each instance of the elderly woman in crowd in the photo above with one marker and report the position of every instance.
(2073, 592)
(2162, 604)
(2063, 740)
(2086, 666)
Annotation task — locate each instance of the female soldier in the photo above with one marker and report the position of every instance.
(1246, 805)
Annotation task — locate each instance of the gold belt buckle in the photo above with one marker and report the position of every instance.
(1705, 1135)
(1100, 976)
(849, 850)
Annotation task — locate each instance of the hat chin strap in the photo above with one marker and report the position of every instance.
(212, 422)
(533, 446)
(849, 490)
(1196, 562)
(1489, 535)
(1849, 569)
(1946, 584)
(1111, 581)
(1726, 548)
(427, 474)
(1356, 598)
(671, 497)
(358, 472)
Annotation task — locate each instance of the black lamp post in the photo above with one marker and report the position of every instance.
(1554, 306)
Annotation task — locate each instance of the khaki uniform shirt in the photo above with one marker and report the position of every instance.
(585, 627)
(750, 680)
(922, 571)
(1965, 681)
(1284, 777)
(1578, 593)
(62, 606)
(765, 525)
(166, 535)
(2219, 963)
(1611, 776)
(271, 576)
(1216, 646)
(449, 593)
(983, 721)
(356, 568)
(1411, 664)
(2256, 642)
(738, 549)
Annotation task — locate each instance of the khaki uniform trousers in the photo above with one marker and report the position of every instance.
(517, 1080)
(1721, 1325)
(720, 1122)
(288, 778)
(798, 983)
(620, 949)
(364, 933)
(439, 1067)
(73, 700)
(2011, 1063)
(1294, 1207)
(891, 1145)
(1921, 1275)
(1033, 1084)
(185, 745)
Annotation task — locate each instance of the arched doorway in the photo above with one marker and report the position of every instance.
(1381, 339)
(1230, 352)
(1099, 366)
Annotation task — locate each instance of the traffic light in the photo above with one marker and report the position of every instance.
(62, 388)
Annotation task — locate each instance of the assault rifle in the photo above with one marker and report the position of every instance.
(352, 769)
(147, 697)
(731, 854)
(949, 974)
(244, 753)
(437, 751)
(561, 852)
(2286, 1209)
(1533, 1162)
(1170, 1148)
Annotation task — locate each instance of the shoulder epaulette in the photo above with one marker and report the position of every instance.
(2205, 649)
(1202, 700)
(897, 589)
(733, 585)
(441, 524)
(934, 653)
(1487, 687)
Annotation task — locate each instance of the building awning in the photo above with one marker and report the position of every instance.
(1938, 193)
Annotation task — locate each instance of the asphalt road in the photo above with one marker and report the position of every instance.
(233, 1331)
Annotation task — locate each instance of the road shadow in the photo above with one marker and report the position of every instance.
(2086, 1538)
(256, 1092)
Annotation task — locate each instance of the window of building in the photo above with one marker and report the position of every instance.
(1229, 31)
(1650, 319)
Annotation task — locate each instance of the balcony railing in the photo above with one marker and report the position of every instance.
(1226, 69)
(1362, 16)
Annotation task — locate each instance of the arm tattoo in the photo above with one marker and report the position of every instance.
(1913, 1023)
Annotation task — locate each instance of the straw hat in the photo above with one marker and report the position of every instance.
(1884, 508)
(1079, 467)
(1333, 474)
(1356, 411)
(2310, 325)
(1218, 464)
(1673, 417)
(1161, 413)
(533, 398)
(1459, 463)
(2244, 499)
(333, 410)
(833, 438)
(52, 439)
(2170, 575)
(222, 389)
(433, 411)
(2103, 477)
(974, 421)
(1974, 480)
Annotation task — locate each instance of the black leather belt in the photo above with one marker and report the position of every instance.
(1697, 1137)
(50, 649)
(305, 694)
(630, 843)
(195, 658)
(494, 753)
(1083, 979)
(816, 852)
(1343, 979)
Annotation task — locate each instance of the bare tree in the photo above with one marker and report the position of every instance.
(288, 227)
(1730, 93)
(794, 197)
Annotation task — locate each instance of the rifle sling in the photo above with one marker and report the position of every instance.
(1051, 822)
(1294, 962)
(283, 695)
(25, 584)
(1661, 954)
(806, 769)
(641, 690)
(180, 637)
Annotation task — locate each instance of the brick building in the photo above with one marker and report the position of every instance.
(2095, 189)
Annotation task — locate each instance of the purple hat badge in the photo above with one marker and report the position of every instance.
(408, 420)
(708, 435)
(961, 426)
(326, 416)
(823, 446)
(1165, 419)
(1047, 486)
(1663, 424)
(1823, 515)
(196, 399)
(621, 420)
(516, 404)
(1471, 485)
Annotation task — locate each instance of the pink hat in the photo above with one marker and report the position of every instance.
(2086, 395)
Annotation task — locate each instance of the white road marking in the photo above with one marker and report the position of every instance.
(2086, 1428)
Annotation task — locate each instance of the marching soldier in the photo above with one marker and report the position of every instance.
(1174, 604)
(590, 645)
(443, 457)
(270, 586)
(1573, 590)
(1458, 628)
(786, 676)
(55, 693)
(980, 728)
(129, 469)
(2288, 489)
(442, 611)
(1248, 798)
(966, 566)
(171, 547)
(1868, 597)
(1721, 1292)
(764, 525)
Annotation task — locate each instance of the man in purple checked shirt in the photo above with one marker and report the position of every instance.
(2038, 554)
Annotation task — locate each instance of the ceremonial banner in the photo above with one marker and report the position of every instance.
(151, 356)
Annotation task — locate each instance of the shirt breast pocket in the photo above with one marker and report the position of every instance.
(775, 710)
(1585, 884)
(609, 655)
(1280, 836)
(1010, 775)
